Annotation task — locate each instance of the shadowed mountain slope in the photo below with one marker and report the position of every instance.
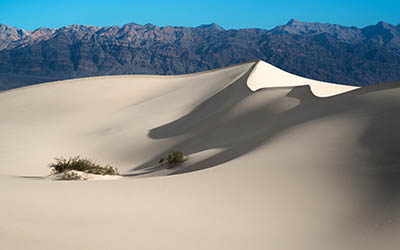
(326, 52)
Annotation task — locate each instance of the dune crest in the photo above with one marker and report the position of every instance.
(265, 75)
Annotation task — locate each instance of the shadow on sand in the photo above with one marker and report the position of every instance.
(209, 127)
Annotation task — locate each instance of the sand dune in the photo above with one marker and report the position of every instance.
(275, 161)
(266, 75)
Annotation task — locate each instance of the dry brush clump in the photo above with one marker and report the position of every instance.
(69, 167)
(72, 175)
(173, 159)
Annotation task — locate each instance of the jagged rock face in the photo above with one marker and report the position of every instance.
(9, 34)
(345, 34)
(325, 52)
(383, 35)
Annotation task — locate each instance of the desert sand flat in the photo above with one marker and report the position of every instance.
(275, 161)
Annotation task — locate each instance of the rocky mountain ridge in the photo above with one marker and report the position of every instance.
(325, 52)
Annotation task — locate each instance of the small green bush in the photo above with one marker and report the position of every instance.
(77, 163)
(173, 159)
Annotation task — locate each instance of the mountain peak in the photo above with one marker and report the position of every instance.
(212, 26)
(6, 27)
(294, 22)
(379, 28)
(132, 24)
(41, 31)
(384, 25)
(297, 27)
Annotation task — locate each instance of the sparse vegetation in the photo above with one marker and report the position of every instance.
(72, 175)
(173, 159)
(162, 161)
(77, 163)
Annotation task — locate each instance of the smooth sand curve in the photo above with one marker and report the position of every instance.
(271, 164)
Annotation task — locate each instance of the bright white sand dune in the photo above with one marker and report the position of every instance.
(266, 75)
(271, 165)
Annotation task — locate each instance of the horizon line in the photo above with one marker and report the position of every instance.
(226, 29)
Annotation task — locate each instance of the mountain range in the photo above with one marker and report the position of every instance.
(321, 51)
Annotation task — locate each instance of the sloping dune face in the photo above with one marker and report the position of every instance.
(275, 161)
(105, 118)
(266, 75)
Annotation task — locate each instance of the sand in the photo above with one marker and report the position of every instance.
(275, 161)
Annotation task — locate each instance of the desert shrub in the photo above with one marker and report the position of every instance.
(163, 160)
(173, 159)
(77, 163)
(73, 175)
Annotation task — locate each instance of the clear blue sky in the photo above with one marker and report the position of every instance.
(31, 14)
